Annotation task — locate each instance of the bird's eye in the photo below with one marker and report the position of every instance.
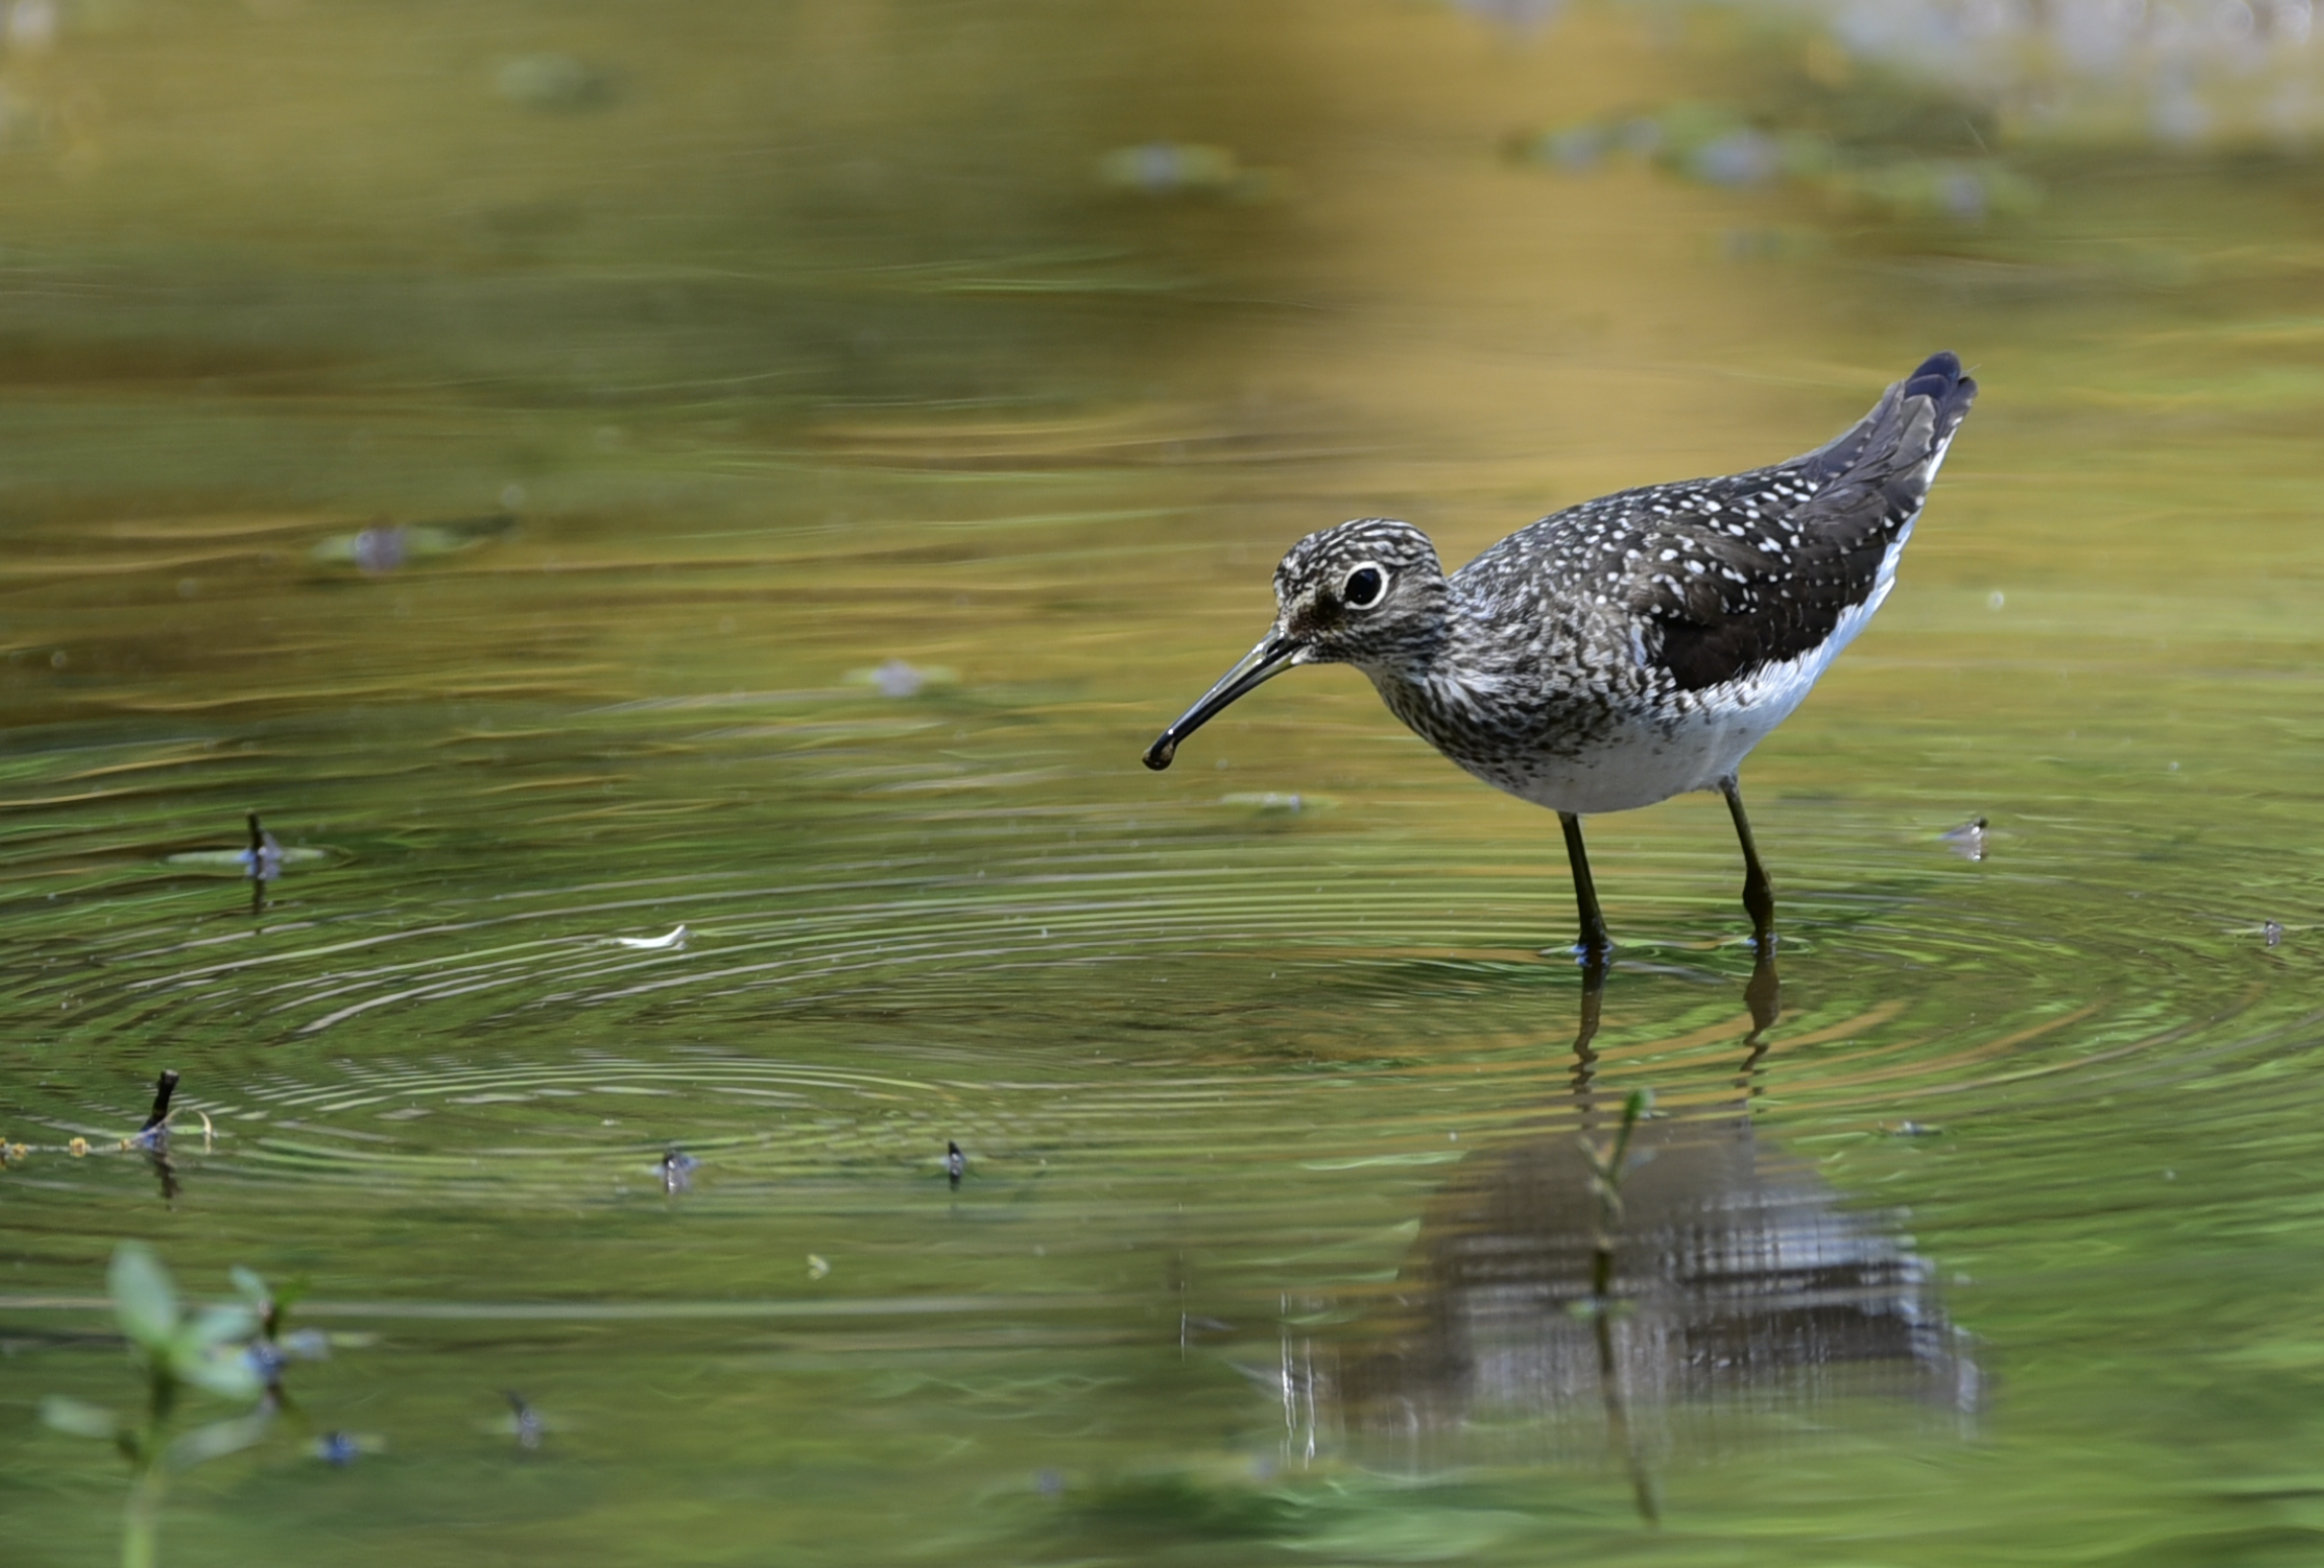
(1365, 586)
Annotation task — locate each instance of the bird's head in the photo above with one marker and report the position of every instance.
(1369, 593)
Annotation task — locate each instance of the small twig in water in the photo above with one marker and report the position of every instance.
(156, 1129)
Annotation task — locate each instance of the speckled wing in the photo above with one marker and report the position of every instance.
(1733, 574)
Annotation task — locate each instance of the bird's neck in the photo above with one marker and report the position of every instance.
(1432, 685)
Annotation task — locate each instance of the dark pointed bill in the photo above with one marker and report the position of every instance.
(1262, 664)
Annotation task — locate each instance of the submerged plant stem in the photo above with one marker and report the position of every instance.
(148, 1479)
(1618, 1423)
(141, 1520)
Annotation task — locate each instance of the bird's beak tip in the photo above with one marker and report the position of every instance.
(1273, 656)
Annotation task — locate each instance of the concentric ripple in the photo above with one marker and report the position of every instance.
(1129, 1013)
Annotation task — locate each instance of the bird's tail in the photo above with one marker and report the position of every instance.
(1900, 445)
(1949, 392)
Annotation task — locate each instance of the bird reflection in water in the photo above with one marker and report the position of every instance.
(1636, 1283)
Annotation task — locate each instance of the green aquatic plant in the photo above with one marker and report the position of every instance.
(205, 1351)
(1609, 1163)
(273, 1344)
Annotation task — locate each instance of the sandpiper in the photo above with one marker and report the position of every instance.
(1630, 648)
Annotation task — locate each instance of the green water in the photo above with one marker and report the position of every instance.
(735, 354)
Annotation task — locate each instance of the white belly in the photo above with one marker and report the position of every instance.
(1640, 763)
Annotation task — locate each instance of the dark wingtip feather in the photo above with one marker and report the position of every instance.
(1939, 379)
(1878, 434)
(1936, 376)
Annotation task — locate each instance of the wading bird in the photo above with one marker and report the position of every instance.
(1630, 648)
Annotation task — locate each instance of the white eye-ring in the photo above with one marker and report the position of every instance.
(1366, 586)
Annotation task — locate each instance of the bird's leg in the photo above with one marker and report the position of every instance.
(1763, 995)
(1595, 946)
(1586, 1031)
(1758, 895)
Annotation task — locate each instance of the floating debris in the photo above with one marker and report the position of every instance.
(388, 547)
(1961, 190)
(1745, 157)
(677, 1168)
(673, 942)
(1913, 1130)
(338, 1449)
(2272, 932)
(1574, 148)
(1967, 840)
(155, 1133)
(817, 1267)
(1269, 803)
(955, 1163)
(1185, 169)
(380, 549)
(262, 861)
(900, 678)
(77, 1148)
(553, 82)
(524, 1421)
(1701, 141)
(1713, 145)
